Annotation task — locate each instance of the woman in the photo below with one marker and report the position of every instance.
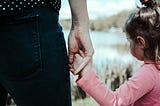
(34, 61)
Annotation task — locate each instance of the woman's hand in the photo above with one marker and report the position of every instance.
(79, 40)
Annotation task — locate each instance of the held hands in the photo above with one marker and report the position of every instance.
(79, 40)
(77, 61)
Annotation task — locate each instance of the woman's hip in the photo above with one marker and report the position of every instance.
(31, 42)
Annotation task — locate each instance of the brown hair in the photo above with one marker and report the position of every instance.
(146, 22)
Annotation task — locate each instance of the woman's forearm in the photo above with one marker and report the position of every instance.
(79, 13)
(79, 37)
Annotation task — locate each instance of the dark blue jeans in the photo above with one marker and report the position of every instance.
(3, 96)
(33, 58)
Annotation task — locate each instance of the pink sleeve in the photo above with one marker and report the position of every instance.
(137, 86)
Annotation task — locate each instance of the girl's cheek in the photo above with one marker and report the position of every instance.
(132, 49)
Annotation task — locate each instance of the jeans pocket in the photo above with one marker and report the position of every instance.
(22, 47)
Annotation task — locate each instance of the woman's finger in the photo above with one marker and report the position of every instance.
(71, 57)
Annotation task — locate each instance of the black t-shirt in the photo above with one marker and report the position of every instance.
(14, 5)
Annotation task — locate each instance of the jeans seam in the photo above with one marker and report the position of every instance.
(37, 44)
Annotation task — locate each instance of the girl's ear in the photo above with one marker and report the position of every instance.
(141, 42)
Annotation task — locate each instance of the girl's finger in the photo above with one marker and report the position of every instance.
(81, 53)
(85, 61)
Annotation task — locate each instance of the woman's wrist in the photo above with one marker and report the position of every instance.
(80, 26)
(80, 21)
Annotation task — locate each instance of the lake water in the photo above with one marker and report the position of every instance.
(104, 53)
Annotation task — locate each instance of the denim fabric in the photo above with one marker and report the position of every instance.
(33, 58)
(3, 96)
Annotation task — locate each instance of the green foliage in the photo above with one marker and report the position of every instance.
(66, 24)
(105, 23)
(102, 23)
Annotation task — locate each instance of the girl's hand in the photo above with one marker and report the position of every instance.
(78, 59)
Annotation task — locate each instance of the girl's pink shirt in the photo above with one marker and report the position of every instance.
(142, 89)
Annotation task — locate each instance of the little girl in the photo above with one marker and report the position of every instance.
(143, 88)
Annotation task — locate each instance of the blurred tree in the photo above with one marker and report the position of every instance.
(103, 23)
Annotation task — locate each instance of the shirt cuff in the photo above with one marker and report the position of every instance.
(86, 79)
